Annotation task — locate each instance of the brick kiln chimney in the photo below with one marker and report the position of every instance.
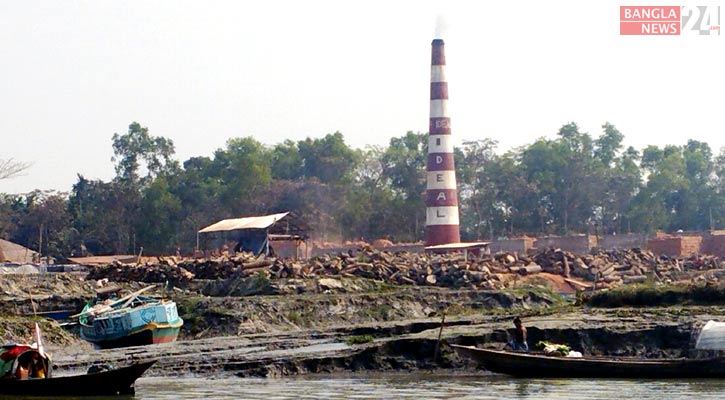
(441, 225)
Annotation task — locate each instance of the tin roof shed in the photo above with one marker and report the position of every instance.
(259, 222)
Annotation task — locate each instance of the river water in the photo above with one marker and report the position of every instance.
(423, 386)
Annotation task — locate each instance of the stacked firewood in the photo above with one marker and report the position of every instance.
(615, 267)
(604, 269)
(158, 270)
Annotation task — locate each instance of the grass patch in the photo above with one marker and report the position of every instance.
(653, 295)
(359, 339)
(380, 312)
(539, 293)
(294, 317)
(259, 284)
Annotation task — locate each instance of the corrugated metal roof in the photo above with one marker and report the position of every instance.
(458, 246)
(259, 222)
(13, 252)
(103, 260)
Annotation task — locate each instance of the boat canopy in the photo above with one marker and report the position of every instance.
(712, 336)
(14, 355)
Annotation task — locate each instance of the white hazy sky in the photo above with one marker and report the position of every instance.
(72, 73)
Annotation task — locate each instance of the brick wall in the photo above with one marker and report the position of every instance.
(291, 248)
(412, 248)
(675, 246)
(516, 245)
(714, 244)
(691, 245)
(580, 244)
(625, 241)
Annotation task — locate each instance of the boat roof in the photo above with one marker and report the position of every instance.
(712, 336)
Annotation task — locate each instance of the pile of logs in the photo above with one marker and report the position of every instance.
(605, 268)
(156, 271)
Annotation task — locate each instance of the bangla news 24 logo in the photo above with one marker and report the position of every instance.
(669, 20)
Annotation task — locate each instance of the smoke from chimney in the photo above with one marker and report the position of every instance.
(441, 26)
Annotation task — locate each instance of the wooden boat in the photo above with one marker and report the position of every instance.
(130, 321)
(112, 382)
(27, 370)
(539, 365)
(58, 315)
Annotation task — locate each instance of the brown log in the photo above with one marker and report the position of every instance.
(257, 264)
(577, 284)
(407, 280)
(634, 279)
(532, 269)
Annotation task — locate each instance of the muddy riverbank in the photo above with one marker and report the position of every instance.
(352, 324)
(405, 346)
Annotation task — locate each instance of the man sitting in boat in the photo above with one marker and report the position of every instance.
(23, 362)
(518, 341)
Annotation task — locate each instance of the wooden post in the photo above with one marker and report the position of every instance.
(40, 243)
(440, 332)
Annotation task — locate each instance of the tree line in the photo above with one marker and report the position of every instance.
(573, 183)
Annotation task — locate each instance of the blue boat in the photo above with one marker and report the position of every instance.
(131, 321)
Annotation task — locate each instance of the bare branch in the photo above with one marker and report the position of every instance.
(10, 168)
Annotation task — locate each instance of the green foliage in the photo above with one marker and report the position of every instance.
(359, 339)
(38, 220)
(328, 159)
(259, 283)
(294, 317)
(242, 171)
(655, 295)
(138, 145)
(287, 162)
(539, 292)
(568, 182)
(560, 349)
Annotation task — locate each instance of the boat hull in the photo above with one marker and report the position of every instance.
(150, 335)
(114, 382)
(148, 324)
(536, 366)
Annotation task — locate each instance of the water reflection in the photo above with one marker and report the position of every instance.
(422, 386)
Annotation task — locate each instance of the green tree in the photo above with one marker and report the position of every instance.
(482, 205)
(242, 171)
(198, 191)
(137, 145)
(618, 178)
(159, 227)
(287, 162)
(660, 199)
(43, 223)
(10, 208)
(99, 211)
(368, 212)
(543, 164)
(134, 153)
(696, 202)
(328, 159)
(404, 166)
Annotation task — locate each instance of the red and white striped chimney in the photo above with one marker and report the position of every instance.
(441, 226)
